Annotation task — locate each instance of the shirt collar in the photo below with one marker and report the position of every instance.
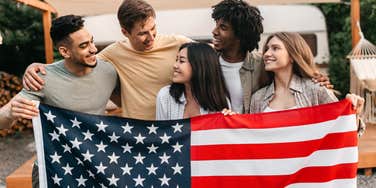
(295, 86)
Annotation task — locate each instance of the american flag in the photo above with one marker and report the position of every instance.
(307, 147)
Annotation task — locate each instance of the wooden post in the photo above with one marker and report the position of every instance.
(47, 39)
(355, 17)
(47, 10)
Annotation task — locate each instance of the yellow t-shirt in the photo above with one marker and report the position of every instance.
(143, 73)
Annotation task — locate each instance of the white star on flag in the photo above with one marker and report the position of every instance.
(75, 123)
(152, 129)
(101, 147)
(62, 130)
(50, 116)
(113, 180)
(88, 135)
(164, 158)
(139, 138)
(126, 169)
(79, 161)
(127, 148)
(114, 138)
(165, 138)
(66, 148)
(87, 156)
(101, 127)
(152, 148)
(67, 169)
(90, 173)
(81, 181)
(127, 128)
(100, 168)
(76, 143)
(139, 181)
(152, 169)
(164, 180)
(139, 158)
(113, 158)
(55, 158)
(177, 127)
(56, 179)
(177, 168)
(55, 136)
(177, 147)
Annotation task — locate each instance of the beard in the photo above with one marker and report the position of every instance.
(87, 65)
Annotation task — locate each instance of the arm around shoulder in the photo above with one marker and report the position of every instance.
(5, 116)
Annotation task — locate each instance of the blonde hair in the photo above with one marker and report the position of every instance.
(299, 51)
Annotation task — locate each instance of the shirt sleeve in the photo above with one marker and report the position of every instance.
(161, 103)
(326, 96)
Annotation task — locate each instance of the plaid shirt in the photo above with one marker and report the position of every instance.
(306, 93)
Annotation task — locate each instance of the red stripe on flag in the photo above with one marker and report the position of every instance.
(275, 150)
(286, 118)
(309, 174)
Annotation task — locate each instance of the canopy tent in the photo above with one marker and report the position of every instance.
(97, 7)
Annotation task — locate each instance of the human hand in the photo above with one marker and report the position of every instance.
(357, 102)
(323, 80)
(226, 112)
(31, 79)
(23, 108)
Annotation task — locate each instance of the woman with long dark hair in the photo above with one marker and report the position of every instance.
(198, 85)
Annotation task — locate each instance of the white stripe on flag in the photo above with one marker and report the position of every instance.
(341, 183)
(273, 166)
(273, 135)
(38, 136)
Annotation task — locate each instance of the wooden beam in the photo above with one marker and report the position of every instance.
(47, 39)
(355, 18)
(39, 5)
(97, 7)
(47, 10)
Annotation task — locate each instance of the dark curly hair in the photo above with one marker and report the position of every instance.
(63, 26)
(245, 20)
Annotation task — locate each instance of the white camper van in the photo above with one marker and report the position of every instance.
(197, 24)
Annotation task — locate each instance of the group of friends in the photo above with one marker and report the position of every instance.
(162, 77)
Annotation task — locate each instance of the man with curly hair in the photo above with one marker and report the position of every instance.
(236, 35)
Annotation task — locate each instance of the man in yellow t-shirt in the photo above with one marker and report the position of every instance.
(144, 60)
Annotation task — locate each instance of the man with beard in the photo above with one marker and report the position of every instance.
(79, 82)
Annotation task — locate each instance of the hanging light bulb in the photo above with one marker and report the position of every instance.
(1, 39)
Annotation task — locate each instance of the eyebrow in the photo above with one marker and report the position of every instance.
(182, 57)
(142, 32)
(86, 42)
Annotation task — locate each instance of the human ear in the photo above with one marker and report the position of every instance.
(64, 52)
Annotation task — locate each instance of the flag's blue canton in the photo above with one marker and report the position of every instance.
(97, 151)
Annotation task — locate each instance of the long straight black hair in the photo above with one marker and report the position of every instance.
(207, 82)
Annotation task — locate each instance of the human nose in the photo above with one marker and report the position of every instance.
(267, 53)
(93, 48)
(215, 31)
(150, 36)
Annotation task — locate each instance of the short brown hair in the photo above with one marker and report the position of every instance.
(299, 51)
(132, 11)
